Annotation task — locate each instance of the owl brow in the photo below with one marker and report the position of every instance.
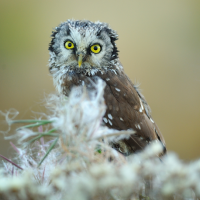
(96, 43)
(69, 41)
(100, 31)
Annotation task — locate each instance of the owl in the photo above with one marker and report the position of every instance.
(82, 52)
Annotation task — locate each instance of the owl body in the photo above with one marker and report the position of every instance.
(81, 52)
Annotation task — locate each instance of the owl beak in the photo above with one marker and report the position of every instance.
(80, 59)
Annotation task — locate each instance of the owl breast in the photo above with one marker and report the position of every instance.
(125, 108)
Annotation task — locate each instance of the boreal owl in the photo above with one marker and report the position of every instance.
(82, 52)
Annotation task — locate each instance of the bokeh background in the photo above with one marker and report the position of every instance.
(159, 43)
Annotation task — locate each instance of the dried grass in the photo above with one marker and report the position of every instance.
(69, 157)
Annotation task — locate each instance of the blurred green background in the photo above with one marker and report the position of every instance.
(159, 43)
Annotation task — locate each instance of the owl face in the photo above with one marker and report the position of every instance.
(82, 45)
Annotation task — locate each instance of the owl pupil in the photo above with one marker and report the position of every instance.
(69, 45)
(95, 48)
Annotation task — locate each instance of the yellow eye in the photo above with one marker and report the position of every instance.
(96, 48)
(69, 45)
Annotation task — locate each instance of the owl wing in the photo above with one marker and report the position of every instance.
(127, 109)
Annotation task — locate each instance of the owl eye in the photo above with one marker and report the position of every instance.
(96, 48)
(69, 45)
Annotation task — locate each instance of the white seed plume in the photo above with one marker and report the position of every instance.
(82, 166)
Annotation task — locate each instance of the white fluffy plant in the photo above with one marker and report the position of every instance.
(69, 157)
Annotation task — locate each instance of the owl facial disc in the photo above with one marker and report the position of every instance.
(82, 46)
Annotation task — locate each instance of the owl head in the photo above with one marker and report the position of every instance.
(82, 46)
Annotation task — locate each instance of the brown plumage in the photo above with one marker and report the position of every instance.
(126, 107)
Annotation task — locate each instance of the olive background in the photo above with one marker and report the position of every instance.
(159, 43)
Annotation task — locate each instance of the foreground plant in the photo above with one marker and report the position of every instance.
(67, 156)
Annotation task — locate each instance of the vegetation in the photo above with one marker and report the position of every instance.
(67, 156)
